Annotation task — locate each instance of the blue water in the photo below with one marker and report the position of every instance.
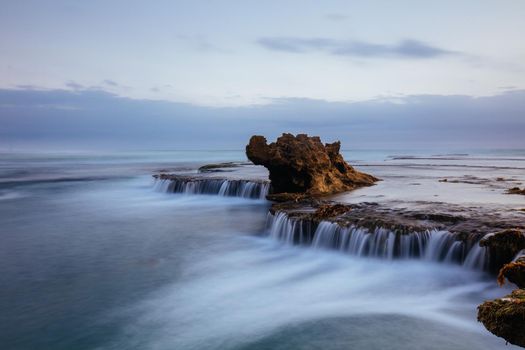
(92, 258)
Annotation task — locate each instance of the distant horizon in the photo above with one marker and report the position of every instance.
(95, 119)
(189, 75)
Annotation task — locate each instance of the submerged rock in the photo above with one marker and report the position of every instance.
(219, 167)
(516, 190)
(505, 317)
(302, 164)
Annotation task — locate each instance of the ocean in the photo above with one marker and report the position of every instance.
(94, 256)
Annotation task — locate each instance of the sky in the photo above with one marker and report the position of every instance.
(208, 74)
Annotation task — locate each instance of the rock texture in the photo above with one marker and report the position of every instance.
(516, 190)
(503, 246)
(505, 317)
(514, 272)
(302, 164)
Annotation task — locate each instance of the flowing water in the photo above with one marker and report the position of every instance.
(95, 255)
(429, 245)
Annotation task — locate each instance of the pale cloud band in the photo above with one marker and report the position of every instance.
(92, 118)
(409, 48)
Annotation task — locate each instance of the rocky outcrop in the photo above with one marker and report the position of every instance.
(514, 272)
(503, 246)
(505, 317)
(302, 164)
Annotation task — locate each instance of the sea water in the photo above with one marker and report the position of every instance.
(92, 257)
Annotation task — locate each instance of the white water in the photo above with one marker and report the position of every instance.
(220, 187)
(243, 296)
(430, 245)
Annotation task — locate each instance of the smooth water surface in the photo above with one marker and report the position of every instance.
(91, 257)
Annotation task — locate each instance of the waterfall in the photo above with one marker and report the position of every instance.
(429, 245)
(220, 187)
(477, 258)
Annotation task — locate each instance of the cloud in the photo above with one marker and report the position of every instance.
(74, 86)
(97, 119)
(110, 82)
(404, 49)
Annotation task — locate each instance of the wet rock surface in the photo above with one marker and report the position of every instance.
(514, 272)
(468, 225)
(505, 317)
(218, 167)
(503, 246)
(302, 164)
(463, 221)
(516, 190)
(189, 178)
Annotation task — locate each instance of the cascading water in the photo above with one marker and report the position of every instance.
(430, 245)
(220, 187)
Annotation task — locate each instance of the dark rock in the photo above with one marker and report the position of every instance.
(516, 190)
(286, 197)
(302, 164)
(503, 246)
(505, 317)
(219, 167)
(325, 211)
(514, 272)
(438, 217)
(469, 225)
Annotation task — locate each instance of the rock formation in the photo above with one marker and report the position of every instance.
(503, 246)
(505, 317)
(514, 272)
(303, 165)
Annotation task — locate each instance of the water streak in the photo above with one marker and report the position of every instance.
(220, 187)
(429, 245)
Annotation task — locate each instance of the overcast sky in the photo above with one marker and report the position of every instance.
(114, 72)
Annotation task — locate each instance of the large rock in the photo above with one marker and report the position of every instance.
(503, 246)
(302, 164)
(505, 317)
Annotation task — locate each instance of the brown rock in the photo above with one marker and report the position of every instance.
(286, 197)
(503, 246)
(505, 317)
(325, 211)
(514, 272)
(302, 164)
